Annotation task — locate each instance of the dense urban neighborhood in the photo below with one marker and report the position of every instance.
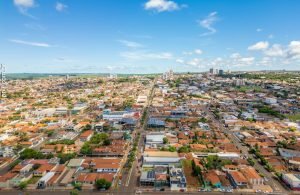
(208, 132)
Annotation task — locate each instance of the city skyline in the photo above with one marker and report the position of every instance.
(148, 36)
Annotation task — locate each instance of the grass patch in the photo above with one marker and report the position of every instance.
(33, 180)
(249, 88)
(293, 117)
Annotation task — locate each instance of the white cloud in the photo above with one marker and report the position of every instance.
(247, 60)
(142, 55)
(283, 54)
(262, 45)
(293, 50)
(265, 61)
(60, 6)
(218, 62)
(258, 30)
(162, 5)
(198, 51)
(36, 44)
(180, 61)
(130, 44)
(235, 55)
(163, 55)
(24, 5)
(208, 23)
(194, 62)
(275, 50)
(237, 60)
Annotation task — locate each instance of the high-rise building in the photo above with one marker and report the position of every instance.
(213, 71)
(221, 72)
(168, 75)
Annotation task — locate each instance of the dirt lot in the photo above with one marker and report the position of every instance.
(192, 181)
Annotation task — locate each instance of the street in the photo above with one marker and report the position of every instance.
(130, 179)
(276, 185)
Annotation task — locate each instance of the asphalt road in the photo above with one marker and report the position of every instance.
(107, 193)
(130, 179)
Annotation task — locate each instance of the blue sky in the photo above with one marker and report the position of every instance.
(148, 36)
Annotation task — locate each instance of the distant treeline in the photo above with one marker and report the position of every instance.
(271, 75)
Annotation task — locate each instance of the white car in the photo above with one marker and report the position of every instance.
(266, 179)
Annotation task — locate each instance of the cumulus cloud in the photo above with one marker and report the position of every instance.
(237, 60)
(293, 50)
(194, 62)
(36, 44)
(273, 56)
(198, 51)
(162, 5)
(265, 61)
(262, 45)
(60, 6)
(208, 23)
(275, 50)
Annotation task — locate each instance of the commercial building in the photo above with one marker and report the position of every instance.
(292, 180)
(177, 179)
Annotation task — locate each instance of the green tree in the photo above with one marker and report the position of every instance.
(87, 127)
(251, 161)
(22, 185)
(31, 153)
(74, 192)
(65, 157)
(86, 149)
(202, 120)
(106, 142)
(77, 186)
(196, 169)
(98, 138)
(165, 140)
(102, 183)
(172, 149)
(184, 149)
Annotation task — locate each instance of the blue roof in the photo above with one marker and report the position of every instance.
(156, 122)
(129, 121)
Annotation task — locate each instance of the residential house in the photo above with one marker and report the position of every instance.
(237, 179)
